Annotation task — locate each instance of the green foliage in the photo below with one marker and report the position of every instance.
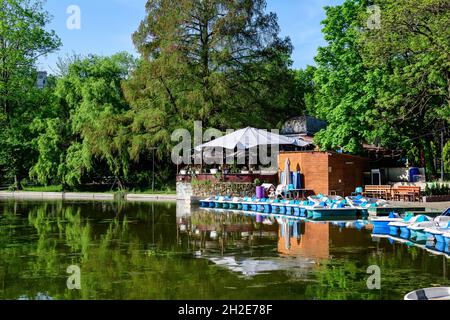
(437, 189)
(218, 62)
(387, 86)
(222, 62)
(410, 73)
(446, 152)
(24, 39)
(340, 81)
(87, 131)
(304, 91)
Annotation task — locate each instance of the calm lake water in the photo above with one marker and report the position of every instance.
(148, 251)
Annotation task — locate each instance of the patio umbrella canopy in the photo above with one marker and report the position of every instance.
(249, 138)
(287, 174)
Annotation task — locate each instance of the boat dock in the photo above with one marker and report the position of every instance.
(305, 209)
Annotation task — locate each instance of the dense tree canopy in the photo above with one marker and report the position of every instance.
(215, 61)
(409, 58)
(340, 80)
(388, 85)
(223, 63)
(23, 39)
(86, 127)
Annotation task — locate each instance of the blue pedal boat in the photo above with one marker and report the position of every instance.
(381, 224)
(280, 207)
(447, 239)
(207, 203)
(334, 213)
(418, 233)
(437, 233)
(401, 227)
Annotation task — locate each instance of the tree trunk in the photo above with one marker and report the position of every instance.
(17, 184)
(429, 157)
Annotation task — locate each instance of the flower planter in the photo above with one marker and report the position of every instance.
(443, 198)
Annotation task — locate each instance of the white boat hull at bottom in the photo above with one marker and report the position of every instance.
(438, 293)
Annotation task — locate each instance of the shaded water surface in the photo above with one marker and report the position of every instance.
(149, 251)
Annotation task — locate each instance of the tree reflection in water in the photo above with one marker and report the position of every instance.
(144, 251)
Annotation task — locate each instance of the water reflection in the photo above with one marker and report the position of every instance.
(162, 251)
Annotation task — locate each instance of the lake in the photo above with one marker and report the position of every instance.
(151, 251)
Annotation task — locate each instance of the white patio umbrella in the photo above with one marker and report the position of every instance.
(248, 138)
(287, 175)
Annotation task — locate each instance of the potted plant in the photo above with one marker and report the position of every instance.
(234, 169)
(183, 172)
(214, 171)
(218, 176)
(245, 170)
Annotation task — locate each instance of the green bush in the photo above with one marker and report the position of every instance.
(437, 189)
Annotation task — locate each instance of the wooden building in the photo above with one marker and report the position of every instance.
(327, 173)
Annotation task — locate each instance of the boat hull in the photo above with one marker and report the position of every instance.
(333, 213)
(381, 226)
(405, 233)
(421, 236)
(394, 230)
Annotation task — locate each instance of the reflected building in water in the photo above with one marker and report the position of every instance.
(304, 239)
(246, 243)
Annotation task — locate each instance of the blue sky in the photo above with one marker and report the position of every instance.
(107, 25)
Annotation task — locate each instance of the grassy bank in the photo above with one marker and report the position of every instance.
(43, 188)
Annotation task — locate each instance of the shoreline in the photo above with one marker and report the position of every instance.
(32, 195)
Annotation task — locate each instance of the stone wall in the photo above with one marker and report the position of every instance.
(200, 190)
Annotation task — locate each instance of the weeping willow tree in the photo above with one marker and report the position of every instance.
(84, 132)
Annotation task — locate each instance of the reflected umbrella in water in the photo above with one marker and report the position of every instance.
(295, 231)
(287, 236)
(252, 267)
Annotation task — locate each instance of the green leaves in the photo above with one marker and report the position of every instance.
(340, 80)
(386, 86)
(88, 130)
(213, 61)
(23, 38)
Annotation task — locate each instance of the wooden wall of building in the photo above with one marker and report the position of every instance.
(325, 172)
(312, 165)
(346, 173)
